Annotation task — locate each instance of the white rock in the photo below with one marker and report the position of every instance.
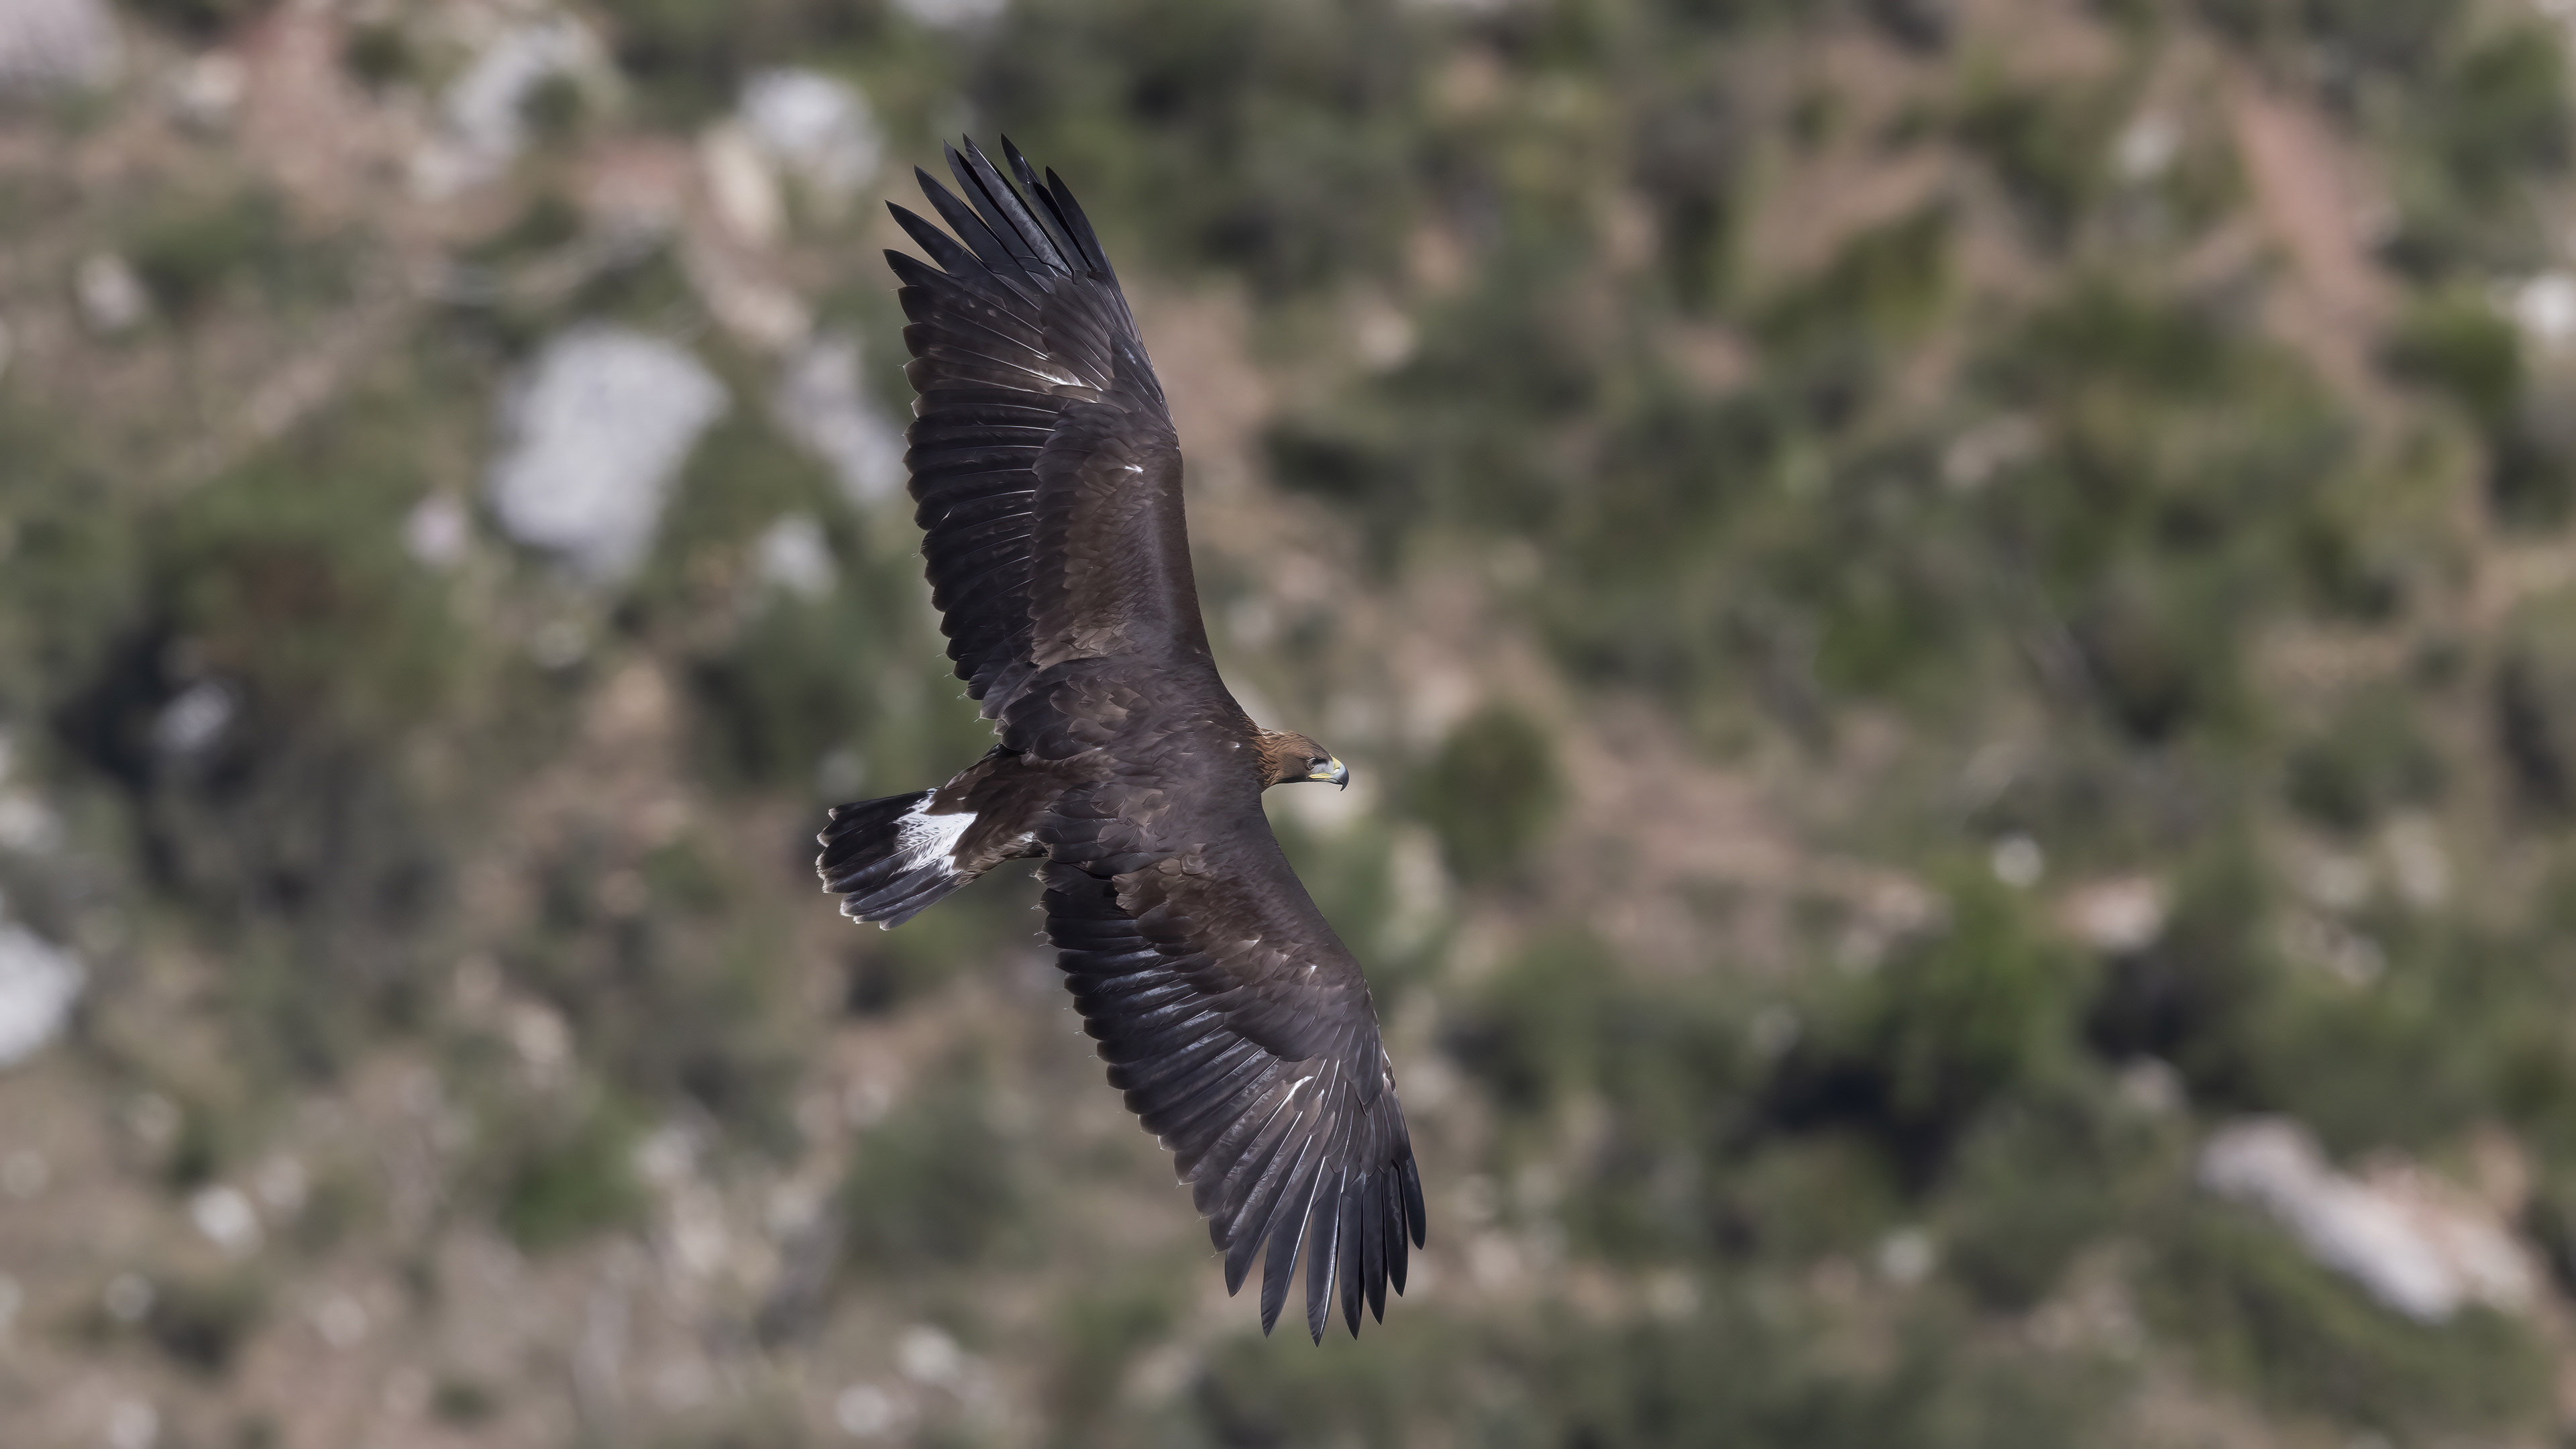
(437, 530)
(127, 1297)
(865, 1411)
(2117, 915)
(927, 1355)
(756, 310)
(741, 185)
(110, 296)
(1974, 457)
(341, 1320)
(2018, 862)
(192, 723)
(817, 129)
(2416, 859)
(208, 90)
(28, 825)
(2544, 307)
(822, 406)
(2152, 1086)
(283, 1185)
(225, 1216)
(794, 556)
(57, 44)
(667, 1157)
(594, 435)
(2417, 1248)
(38, 983)
(133, 1424)
(2336, 882)
(1384, 338)
(539, 1034)
(1907, 1256)
(2147, 146)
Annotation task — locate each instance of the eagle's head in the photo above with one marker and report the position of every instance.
(1289, 758)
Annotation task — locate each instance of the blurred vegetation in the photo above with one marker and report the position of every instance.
(1930, 431)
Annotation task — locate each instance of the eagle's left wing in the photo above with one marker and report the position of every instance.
(1243, 1035)
(1042, 453)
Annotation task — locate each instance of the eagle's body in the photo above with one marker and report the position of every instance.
(1048, 479)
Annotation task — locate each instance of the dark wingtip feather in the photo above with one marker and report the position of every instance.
(1395, 1253)
(1353, 1261)
(1049, 219)
(1002, 210)
(1238, 1259)
(1323, 1255)
(1080, 226)
(973, 229)
(1287, 1233)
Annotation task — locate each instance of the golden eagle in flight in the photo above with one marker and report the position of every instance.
(1048, 479)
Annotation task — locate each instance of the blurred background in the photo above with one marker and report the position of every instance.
(1956, 621)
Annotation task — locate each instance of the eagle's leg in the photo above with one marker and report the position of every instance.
(889, 858)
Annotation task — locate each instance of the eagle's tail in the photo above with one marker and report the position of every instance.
(889, 858)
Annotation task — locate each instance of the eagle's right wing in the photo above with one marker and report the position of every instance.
(1243, 1035)
(1042, 455)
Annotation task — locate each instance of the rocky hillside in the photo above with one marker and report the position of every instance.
(1956, 620)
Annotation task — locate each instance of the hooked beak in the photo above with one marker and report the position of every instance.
(1332, 772)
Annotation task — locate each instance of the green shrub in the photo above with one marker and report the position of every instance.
(2195, 995)
(2533, 702)
(1491, 792)
(188, 255)
(1292, 119)
(201, 1323)
(1636, 1385)
(571, 1180)
(2046, 145)
(379, 53)
(1098, 1334)
(688, 58)
(932, 1185)
(1974, 1012)
(1887, 282)
(2457, 345)
(2371, 759)
(198, 19)
(2500, 117)
(2257, 1313)
(2036, 1182)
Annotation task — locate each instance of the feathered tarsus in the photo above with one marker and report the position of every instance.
(1048, 482)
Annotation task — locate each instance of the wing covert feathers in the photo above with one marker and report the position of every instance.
(1284, 1156)
(1016, 321)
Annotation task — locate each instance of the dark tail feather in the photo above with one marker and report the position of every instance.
(889, 858)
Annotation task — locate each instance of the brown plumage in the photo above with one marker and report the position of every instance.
(1048, 479)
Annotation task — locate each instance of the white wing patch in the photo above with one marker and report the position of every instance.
(931, 839)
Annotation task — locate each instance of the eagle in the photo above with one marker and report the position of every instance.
(1047, 475)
